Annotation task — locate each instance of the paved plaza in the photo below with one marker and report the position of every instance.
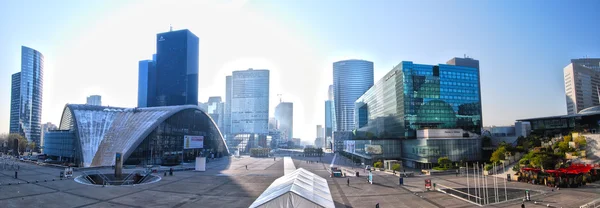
(227, 183)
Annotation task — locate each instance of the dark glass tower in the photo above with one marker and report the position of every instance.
(147, 82)
(26, 96)
(176, 69)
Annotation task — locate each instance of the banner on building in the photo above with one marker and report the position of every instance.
(193, 142)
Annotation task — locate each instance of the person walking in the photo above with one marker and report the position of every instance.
(377, 205)
(246, 167)
(348, 181)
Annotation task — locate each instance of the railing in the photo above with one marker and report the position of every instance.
(99, 174)
(592, 204)
(128, 180)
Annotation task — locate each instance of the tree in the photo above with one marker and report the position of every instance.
(498, 155)
(21, 142)
(444, 162)
(581, 142)
(31, 145)
(396, 167)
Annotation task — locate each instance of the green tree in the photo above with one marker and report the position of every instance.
(32, 145)
(396, 167)
(21, 142)
(378, 164)
(498, 155)
(444, 162)
(581, 142)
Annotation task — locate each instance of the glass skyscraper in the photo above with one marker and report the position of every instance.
(226, 129)
(284, 114)
(250, 102)
(147, 82)
(351, 78)
(26, 96)
(176, 69)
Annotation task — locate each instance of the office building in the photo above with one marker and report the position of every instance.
(250, 102)
(227, 117)
(351, 78)
(414, 98)
(582, 78)
(176, 69)
(329, 113)
(522, 129)
(26, 96)
(320, 131)
(147, 82)
(45, 128)
(284, 114)
(216, 108)
(90, 136)
(94, 100)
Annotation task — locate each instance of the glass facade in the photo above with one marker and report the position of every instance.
(147, 82)
(419, 152)
(284, 114)
(164, 145)
(250, 102)
(351, 78)
(176, 69)
(26, 102)
(373, 150)
(60, 145)
(416, 96)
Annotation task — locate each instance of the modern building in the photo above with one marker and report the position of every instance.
(45, 128)
(338, 140)
(582, 78)
(147, 82)
(227, 118)
(26, 96)
(351, 79)
(329, 113)
(90, 136)
(94, 100)
(320, 131)
(216, 108)
(284, 114)
(172, 77)
(585, 121)
(522, 129)
(297, 141)
(414, 97)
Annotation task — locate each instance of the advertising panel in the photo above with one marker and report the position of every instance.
(373, 149)
(193, 142)
(440, 133)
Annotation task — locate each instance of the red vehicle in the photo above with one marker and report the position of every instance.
(428, 184)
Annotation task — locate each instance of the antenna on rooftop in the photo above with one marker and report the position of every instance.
(280, 100)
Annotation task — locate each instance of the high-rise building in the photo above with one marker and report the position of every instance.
(284, 114)
(420, 113)
(351, 78)
(176, 68)
(45, 128)
(94, 100)
(329, 113)
(147, 82)
(320, 131)
(216, 108)
(227, 117)
(582, 80)
(250, 102)
(26, 101)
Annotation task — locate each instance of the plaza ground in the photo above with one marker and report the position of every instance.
(227, 183)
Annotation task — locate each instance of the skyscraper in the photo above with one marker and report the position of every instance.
(284, 114)
(176, 68)
(351, 78)
(250, 102)
(216, 109)
(582, 78)
(147, 82)
(45, 128)
(94, 100)
(227, 117)
(26, 96)
(329, 114)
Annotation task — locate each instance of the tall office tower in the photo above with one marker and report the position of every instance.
(284, 114)
(351, 78)
(329, 114)
(227, 117)
(26, 96)
(250, 102)
(176, 69)
(147, 82)
(273, 125)
(472, 63)
(45, 128)
(94, 100)
(582, 78)
(216, 109)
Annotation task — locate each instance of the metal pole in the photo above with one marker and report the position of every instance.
(495, 184)
(487, 193)
(468, 190)
(475, 179)
(505, 193)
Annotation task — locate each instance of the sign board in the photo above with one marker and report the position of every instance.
(439, 133)
(373, 149)
(193, 142)
(200, 163)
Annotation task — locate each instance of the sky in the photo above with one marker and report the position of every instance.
(93, 47)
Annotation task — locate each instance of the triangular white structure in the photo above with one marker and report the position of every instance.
(300, 188)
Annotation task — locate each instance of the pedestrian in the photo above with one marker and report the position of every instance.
(522, 205)
(348, 181)
(246, 167)
(273, 158)
(377, 205)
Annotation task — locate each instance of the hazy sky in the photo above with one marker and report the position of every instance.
(93, 47)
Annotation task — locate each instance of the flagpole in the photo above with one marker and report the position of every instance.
(476, 179)
(468, 190)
